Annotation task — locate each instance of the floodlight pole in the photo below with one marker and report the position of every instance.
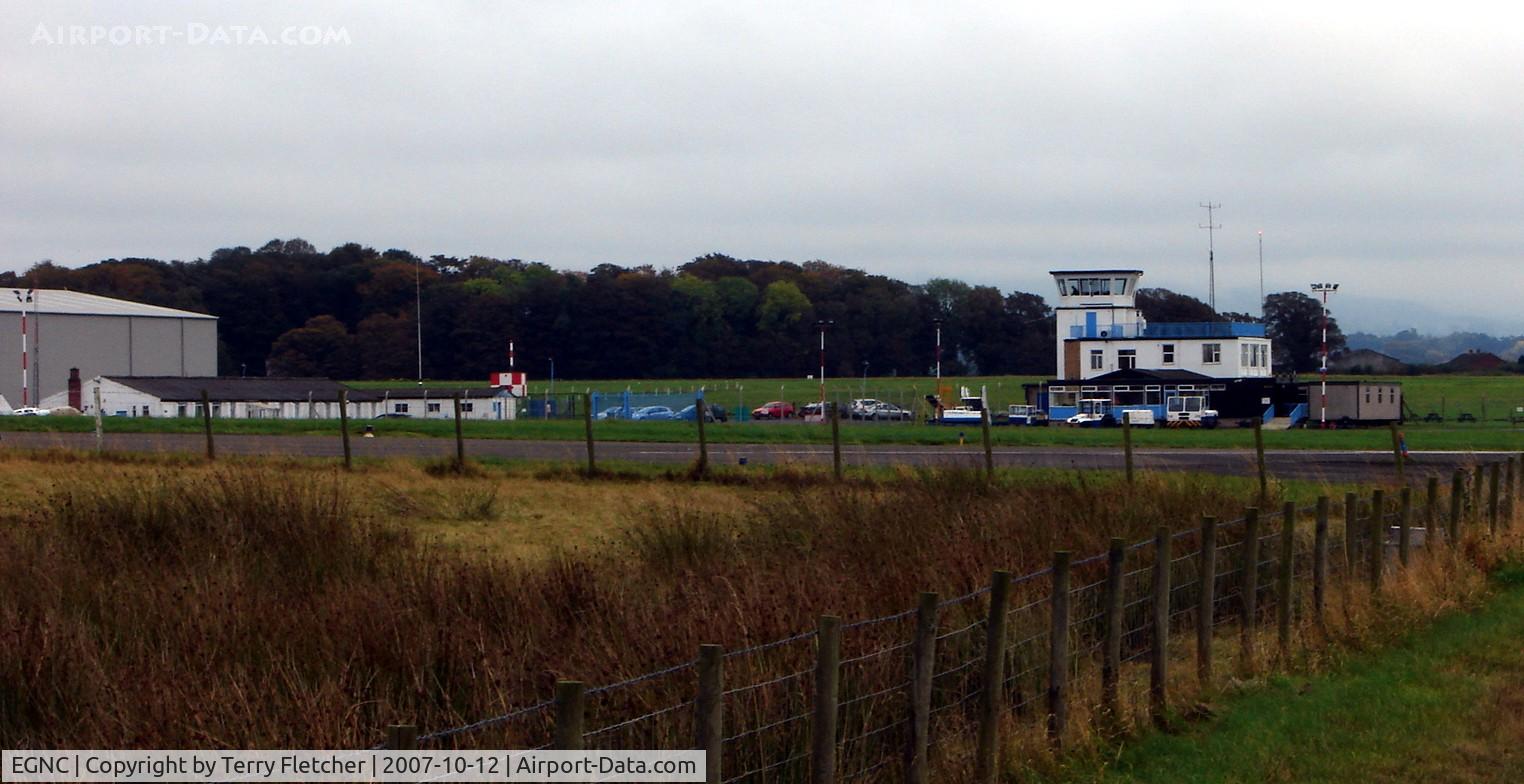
(418, 312)
(1324, 289)
(1261, 275)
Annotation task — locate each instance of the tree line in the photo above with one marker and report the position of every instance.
(352, 312)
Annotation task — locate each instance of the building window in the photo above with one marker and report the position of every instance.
(433, 408)
(1244, 359)
(466, 407)
(1211, 353)
(1127, 359)
(1097, 360)
(399, 408)
(1169, 353)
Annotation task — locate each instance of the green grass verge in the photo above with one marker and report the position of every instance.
(1442, 706)
(1489, 398)
(1419, 437)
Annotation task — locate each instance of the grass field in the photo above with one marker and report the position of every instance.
(1445, 705)
(1492, 436)
(280, 603)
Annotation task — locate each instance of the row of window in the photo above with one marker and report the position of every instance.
(1211, 354)
(432, 408)
(1074, 287)
(1253, 355)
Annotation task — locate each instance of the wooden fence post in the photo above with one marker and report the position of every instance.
(709, 717)
(1476, 493)
(1206, 610)
(989, 448)
(1058, 651)
(460, 437)
(1158, 666)
(206, 421)
(1492, 498)
(344, 427)
(994, 678)
(1405, 525)
(587, 428)
(1377, 555)
(100, 430)
(699, 408)
(1111, 654)
(402, 737)
(1431, 513)
(1320, 563)
(1509, 492)
(1351, 530)
(570, 705)
(827, 694)
(835, 439)
(1457, 502)
(1283, 583)
(1127, 444)
(1250, 590)
(923, 655)
(1397, 452)
(1259, 453)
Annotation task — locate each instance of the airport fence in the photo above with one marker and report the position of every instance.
(948, 683)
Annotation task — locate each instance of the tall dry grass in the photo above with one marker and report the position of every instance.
(262, 606)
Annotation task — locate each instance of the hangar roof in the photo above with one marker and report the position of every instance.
(255, 388)
(77, 303)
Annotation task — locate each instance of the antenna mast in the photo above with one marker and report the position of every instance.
(1211, 255)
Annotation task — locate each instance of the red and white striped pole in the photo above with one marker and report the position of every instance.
(510, 355)
(1324, 289)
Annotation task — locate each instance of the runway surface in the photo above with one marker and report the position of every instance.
(1332, 465)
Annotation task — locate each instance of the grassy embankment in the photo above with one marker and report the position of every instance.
(1446, 704)
(155, 602)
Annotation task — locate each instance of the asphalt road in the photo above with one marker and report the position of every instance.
(1332, 465)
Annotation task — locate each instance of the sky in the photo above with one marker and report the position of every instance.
(1375, 145)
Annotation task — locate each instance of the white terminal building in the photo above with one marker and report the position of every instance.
(1110, 355)
(1101, 330)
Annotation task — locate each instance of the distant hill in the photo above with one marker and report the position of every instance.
(1416, 349)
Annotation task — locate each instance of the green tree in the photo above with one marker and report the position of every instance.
(1293, 321)
(321, 347)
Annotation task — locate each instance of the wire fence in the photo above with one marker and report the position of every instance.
(882, 698)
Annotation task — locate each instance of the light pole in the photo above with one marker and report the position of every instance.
(23, 299)
(418, 311)
(1261, 274)
(865, 378)
(1324, 289)
(551, 390)
(822, 325)
(938, 390)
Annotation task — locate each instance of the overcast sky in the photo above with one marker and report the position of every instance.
(1378, 146)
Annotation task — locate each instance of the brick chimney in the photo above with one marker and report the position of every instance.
(75, 393)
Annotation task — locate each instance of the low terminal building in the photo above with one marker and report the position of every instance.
(1110, 356)
(273, 398)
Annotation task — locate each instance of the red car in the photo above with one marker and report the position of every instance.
(774, 410)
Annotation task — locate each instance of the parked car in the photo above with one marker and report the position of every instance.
(711, 413)
(30, 411)
(862, 408)
(812, 410)
(777, 409)
(653, 413)
(394, 415)
(890, 412)
(615, 412)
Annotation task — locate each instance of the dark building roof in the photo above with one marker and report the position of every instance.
(1138, 374)
(188, 389)
(1473, 361)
